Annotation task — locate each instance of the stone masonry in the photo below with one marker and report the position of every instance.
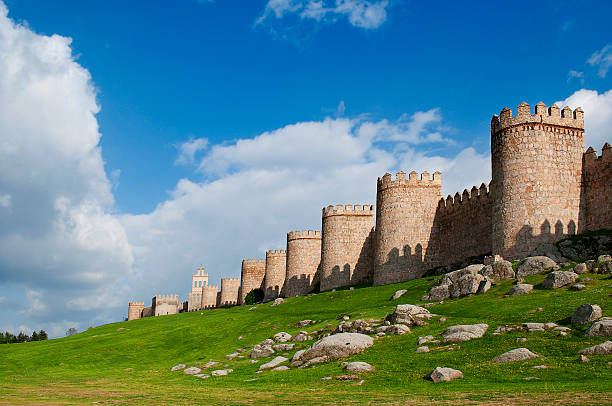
(597, 189)
(135, 310)
(537, 169)
(166, 304)
(229, 292)
(303, 259)
(406, 226)
(276, 268)
(209, 297)
(252, 276)
(347, 245)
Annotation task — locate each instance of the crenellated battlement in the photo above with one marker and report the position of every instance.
(211, 287)
(276, 252)
(552, 119)
(252, 261)
(167, 298)
(304, 234)
(348, 210)
(136, 304)
(467, 197)
(413, 180)
(230, 280)
(591, 158)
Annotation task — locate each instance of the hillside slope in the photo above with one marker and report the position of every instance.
(130, 362)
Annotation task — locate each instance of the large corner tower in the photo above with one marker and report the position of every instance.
(537, 165)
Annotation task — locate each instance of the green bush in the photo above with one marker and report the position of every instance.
(254, 296)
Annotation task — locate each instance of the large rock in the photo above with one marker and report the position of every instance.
(301, 336)
(338, 346)
(498, 271)
(397, 329)
(278, 301)
(282, 337)
(272, 364)
(535, 265)
(518, 354)
(398, 294)
(453, 277)
(558, 279)
(407, 314)
(441, 374)
(580, 268)
(520, 289)
(356, 326)
(359, 366)
(221, 372)
(468, 284)
(440, 292)
(261, 351)
(604, 348)
(464, 332)
(549, 250)
(586, 313)
(178, 367)
(602, 328)
(192, 371)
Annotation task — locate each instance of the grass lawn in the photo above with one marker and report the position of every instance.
(129, 362)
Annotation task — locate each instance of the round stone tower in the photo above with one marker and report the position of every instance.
(209, 297)
(135, 310)
(406, 237)
(537, 167)
(303, 259)
(229, 291)
(276, 268)
(346, 248)
(252, 276)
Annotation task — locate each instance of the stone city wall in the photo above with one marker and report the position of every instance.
(166, 304)
(536, 169)
(347, 245)
(229, 291)
(209, 297)
(597, 189)
(465, 225)
(276, 269)
(135, 310)
(303, 259)
(406, 226)
(252, 276)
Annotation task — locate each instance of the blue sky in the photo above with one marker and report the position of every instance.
(141, 139)
(170, 70)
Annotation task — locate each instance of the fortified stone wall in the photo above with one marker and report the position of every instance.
(194, 301)
(218, 298)
(537, 169)
(229, 291)
(252, 276)
(135, 310)
(597, 189)
(209, 297)
(406, 226)
(303, 259)
(166, 304)
(465, 225)
(276, 268)
(347, 245)
(148, 311)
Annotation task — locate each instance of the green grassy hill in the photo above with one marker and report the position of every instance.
(129, 362)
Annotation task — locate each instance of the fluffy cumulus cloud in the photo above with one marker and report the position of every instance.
(58, 238)
(597, 119)
(359, 13)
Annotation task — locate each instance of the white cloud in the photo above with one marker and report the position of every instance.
(597, 117)
(602, 59)
(61, 234)
(5, 201)
(188, 149)
(359, 13)
(340, 109)
(573, 74)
